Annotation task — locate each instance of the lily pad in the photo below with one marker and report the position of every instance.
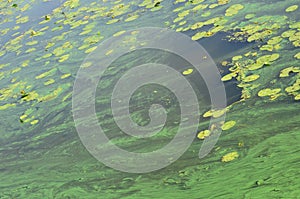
(291, 8)
(230, 156)
(255, 66)
(131, 18)
(199, 35)
(237, 57)
(275, 40)
(249, 16)
(288, 33)
(228, 125)
(228, 77)
(267, 47)
(197, 25)
(33, 122)
(90, 49)
(268, 92)
(251, 78)
(233, 10)
(112, 21)
(188, 71)
(286, 72)
(50, 81)
(119, 33)
(203, 134)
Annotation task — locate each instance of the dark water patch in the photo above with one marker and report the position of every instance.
(219, 48)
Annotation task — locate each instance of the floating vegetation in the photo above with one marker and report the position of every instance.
(34, 122)
(6, 106)
(250, 16)
(46, 74)
(287, 71)
(31, 43)
(228, 77)
(228, 125)
(119, 33)
(267, 92)
(199, 35)
(230, 156)
(291, 8)
(188, 71)
(292, 90)
(203, 134)
(50, 81)
(64, 58)
(22, 20)
(131, 18)
(64, 76)
(30, 96)
(90, 49)
(233, 10)
(215, 113)
(46, 51)
(251, 78)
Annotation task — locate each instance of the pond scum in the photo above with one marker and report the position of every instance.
(42, 49)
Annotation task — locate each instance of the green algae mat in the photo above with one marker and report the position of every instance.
(255, 47)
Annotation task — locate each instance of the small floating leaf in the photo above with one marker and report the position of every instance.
(230, 156)
(50, 81)
(112, 21)
(109, 52)
(228, 77)
(31, 43)
(275, 40)
(22, 20)
(47, 73)
(251, 78)
(65, 75)
(34, 122)
(249, 16)
(188, 71)
(6, 106)
(228, 125)
(64, 58)
(131, 18)
(291, 8)
(236, 58)
(234, 9)
(203, 134)
(198, 35)
(119, 33)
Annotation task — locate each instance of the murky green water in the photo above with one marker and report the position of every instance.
(255, 45)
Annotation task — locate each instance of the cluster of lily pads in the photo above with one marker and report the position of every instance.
(47, 47)
(270, 34)
(48, 50)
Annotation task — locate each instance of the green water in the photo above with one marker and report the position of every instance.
(41, 154)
